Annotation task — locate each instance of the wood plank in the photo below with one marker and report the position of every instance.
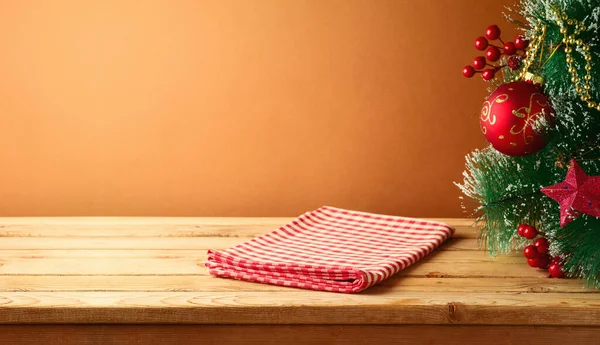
(168, 221)
(142, 262)
(286, 334)
(175, 243)
(104, 266)
(191, 283)
(162, 227)
(300, 307)
(119, 243)
(143, 227)
(182, 267)
(41, 254)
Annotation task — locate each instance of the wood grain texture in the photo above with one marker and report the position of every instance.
(191, 283)
(297, 334)
(128, 262)
(172, 243)
(301, 307)
(150, 271)
(160, 226)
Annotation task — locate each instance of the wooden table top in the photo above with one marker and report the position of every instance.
(150, 270)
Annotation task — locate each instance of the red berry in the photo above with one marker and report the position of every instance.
(543, 260)
(542, 245)
(468, 71)
(514, 62)
(531, 252)
(488, 74)
(509, 48)
(481, 43)
(492, 54)
(521, 228)
(479, 62)
(529, 232)
(492, 32)
(555, 270)
(534, 262)
(521, 43)
(556, 260)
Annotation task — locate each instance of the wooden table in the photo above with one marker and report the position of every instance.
(142, 281)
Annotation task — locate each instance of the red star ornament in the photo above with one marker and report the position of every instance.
(578, 193)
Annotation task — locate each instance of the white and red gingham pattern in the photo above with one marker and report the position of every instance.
(331, 249)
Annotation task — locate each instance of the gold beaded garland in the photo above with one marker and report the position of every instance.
(535, 44)
(584, 87)
(582, 84)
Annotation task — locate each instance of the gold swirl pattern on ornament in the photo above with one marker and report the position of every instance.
(486, 115)
(525, 113)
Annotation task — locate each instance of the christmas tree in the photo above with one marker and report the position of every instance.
(540, 175)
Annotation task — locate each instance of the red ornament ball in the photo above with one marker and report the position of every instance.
(488, 74)
(492, 32)
(521, 43)
(555, 270)
(493, 54)
(509, 115)
(479, 62)
(509, 48)
(542, 245)
(468, 71)
(531, 252)
(481, 43)
(514, 62)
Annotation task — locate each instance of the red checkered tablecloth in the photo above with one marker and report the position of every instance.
(331, 249)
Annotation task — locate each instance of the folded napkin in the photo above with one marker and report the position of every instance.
(331, 249)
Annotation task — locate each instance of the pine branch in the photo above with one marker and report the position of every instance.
(580, 241)
(507, 189)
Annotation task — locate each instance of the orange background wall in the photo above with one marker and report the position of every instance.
(248, 107)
